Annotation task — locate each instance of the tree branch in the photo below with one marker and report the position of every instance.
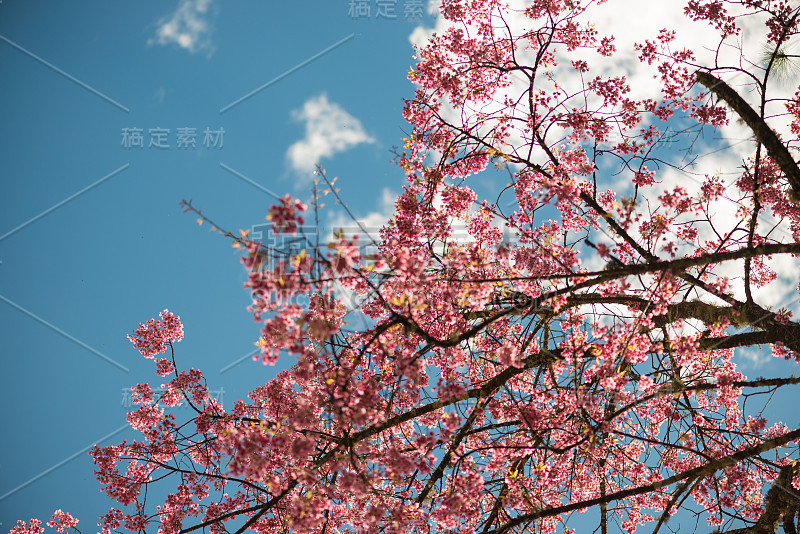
(764, 134)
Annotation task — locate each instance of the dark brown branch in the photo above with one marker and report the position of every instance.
(700, 471)
(764, 134)
(774, 335)
(439, 471)
(781, 504)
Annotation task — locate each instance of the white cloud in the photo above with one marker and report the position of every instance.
(369, 225)
(187, 26)
(329, 131)
(696, 36)
(754, 358)
(159, 95)
(699, 37)
(368, 231)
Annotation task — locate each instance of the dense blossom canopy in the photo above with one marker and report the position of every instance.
(571, 349)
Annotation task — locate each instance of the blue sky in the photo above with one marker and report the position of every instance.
(75, 280)
(92, 238)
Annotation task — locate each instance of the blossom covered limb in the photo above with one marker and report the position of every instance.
(571, 343)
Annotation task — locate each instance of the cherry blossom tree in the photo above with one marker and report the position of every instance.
(572, 350)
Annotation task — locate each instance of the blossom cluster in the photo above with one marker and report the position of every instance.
(152, 338)
(484, 386)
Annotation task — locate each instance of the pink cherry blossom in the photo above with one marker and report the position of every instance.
(569, 343)
(62, 521)
(152, 338)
